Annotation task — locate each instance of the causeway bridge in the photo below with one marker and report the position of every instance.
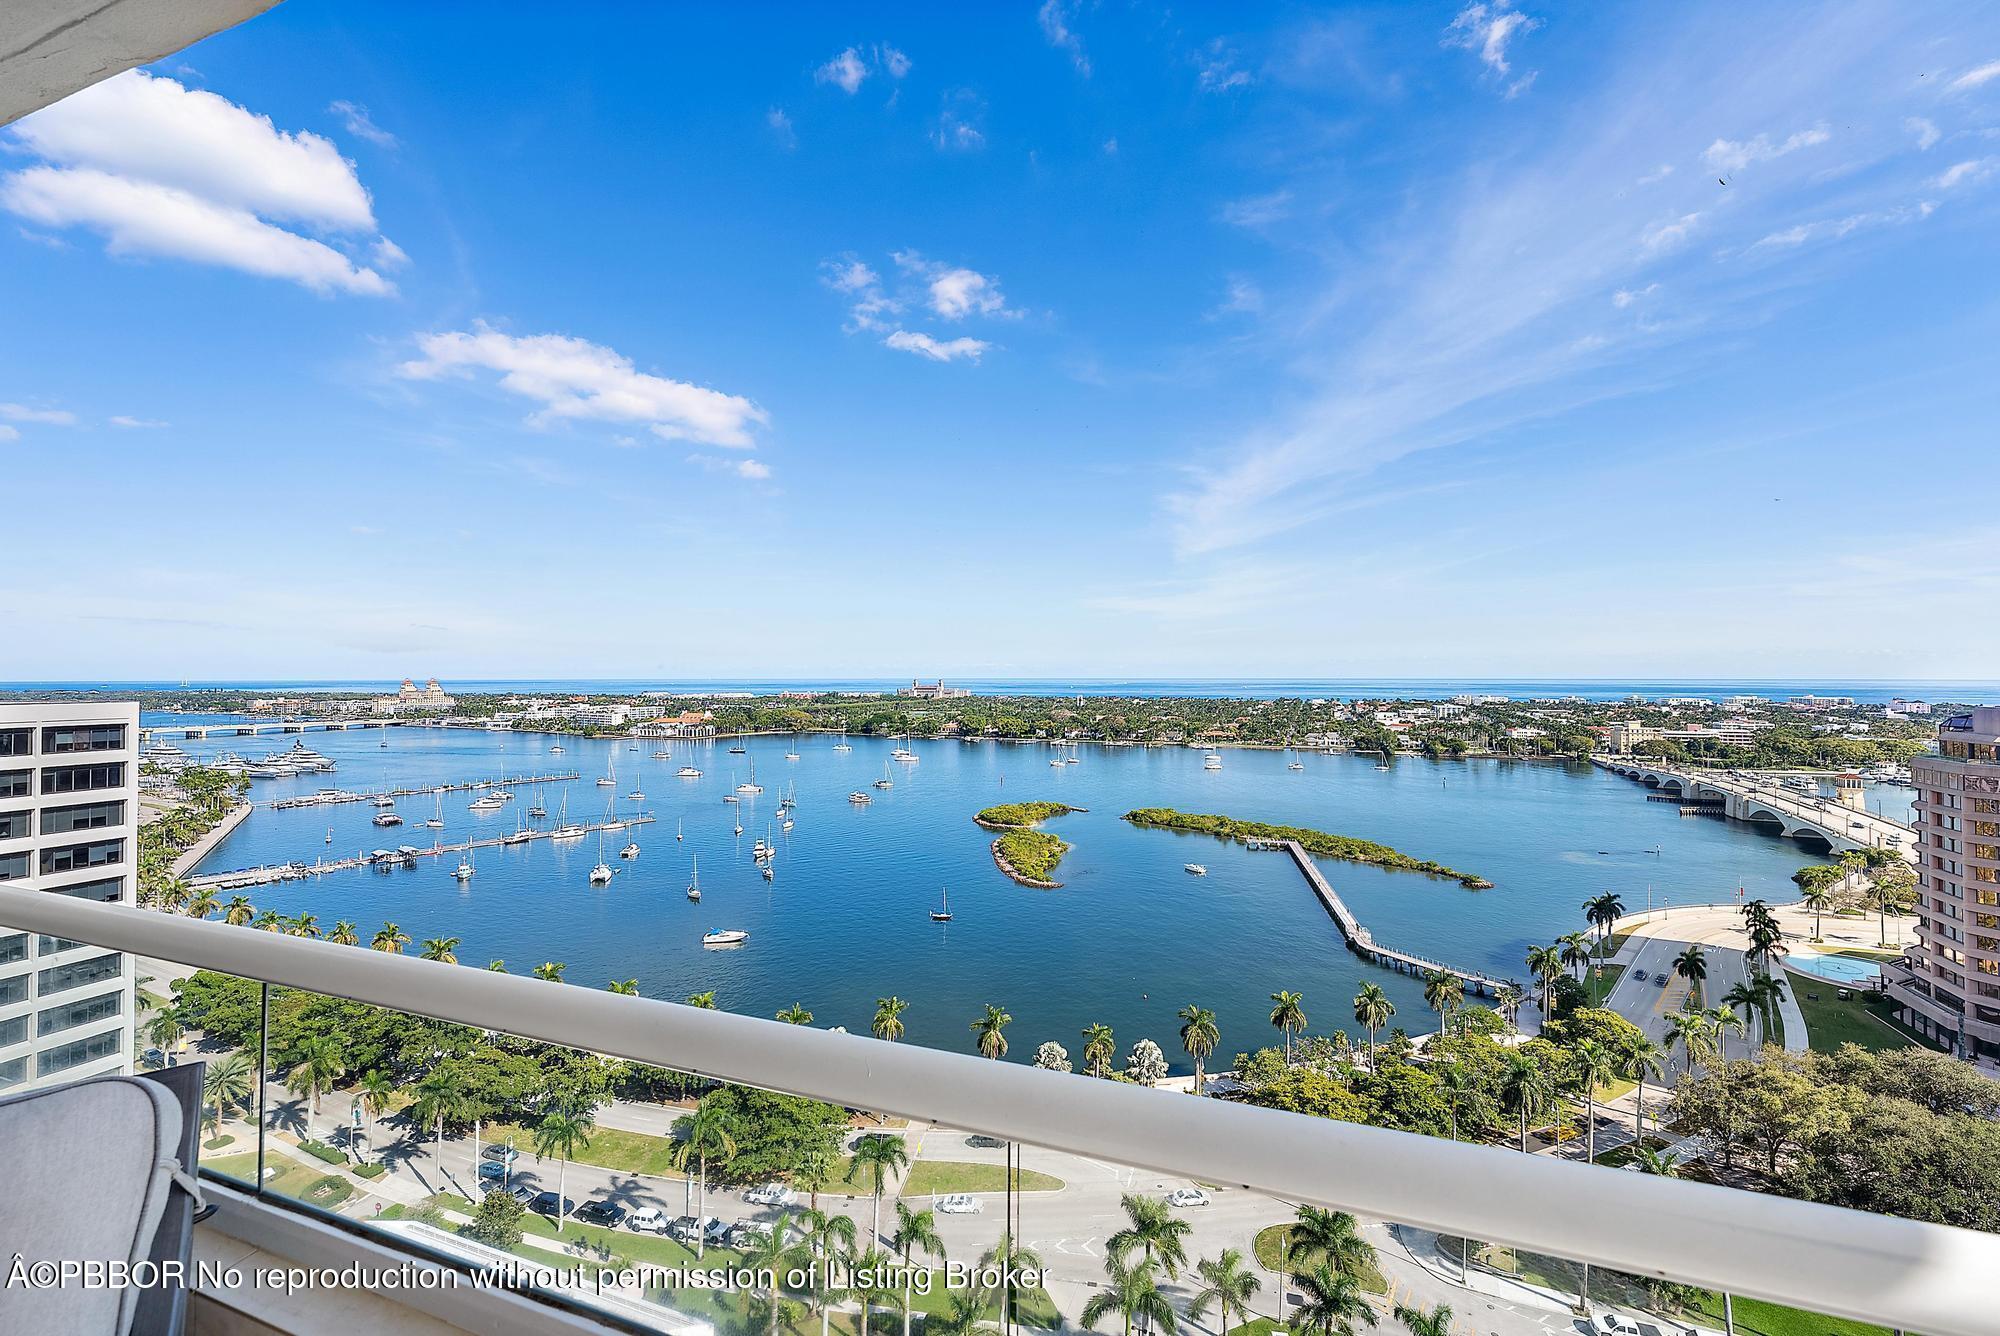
(1757, 796)
(246, 728)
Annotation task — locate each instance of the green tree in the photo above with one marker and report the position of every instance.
(550, 971)
(372, 1093)
(1132, 1292)
(1525, 1091)
(238, 912)
(702, 1001)
(563, 1131)
(888, 1022)
(227, 1081)
(623, 987)
(705, 1135)
(990, 1032)
(1199, 1037)
(795, 1015)
(1288, 1015)
(1593, 1066)
(497, 1222)
(1426, 1322)
(440, 949)
(916, 1231)
(440, 1099)
(391, 939)
(1692, 965)
(344, 934)
(1227, 1285)
(880, 1155)
(1372, 1010)
(1444, 993)
(319, 1066)
(1100, 1050)
(1333, 1302)
(1152, 1229)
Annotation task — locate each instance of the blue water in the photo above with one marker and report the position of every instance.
(1129, 939)
(1837, 969)
(1353, 688)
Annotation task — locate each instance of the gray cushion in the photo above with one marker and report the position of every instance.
(85, 1171)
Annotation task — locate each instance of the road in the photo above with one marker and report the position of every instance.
(1657, 939)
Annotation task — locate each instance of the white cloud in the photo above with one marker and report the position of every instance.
(1488, 29)
(1658, 174)
(846, 71)
(781, 128)
(870, 304)
(958, 123)
(1966, 173)
(387, 254)
(574, 379)
(1668, 234)
(1726, 155)
(954, 292)
(1258, 210)
(355, 117)
(1216, 69)
(1111, 147)
(924, 345)
(1834, 229)
(136, 423)
(1975, 77)
(752, 469)
(1624, 297)
(163, 170)
(850, 276)
(1055, 17)
(893, 62)
(8, 433)
(1242, 297)
(1926, 131)
(53, 417)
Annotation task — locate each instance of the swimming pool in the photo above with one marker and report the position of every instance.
(1846, 970)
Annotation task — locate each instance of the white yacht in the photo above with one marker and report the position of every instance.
(388, 819)
(381, 800)
(1195, 869)
(568, 833)
(688, 772)
(842, 745)
(902, 754)
(556, 750)
(464, 870)
(487, 802)
(751, 785)
(859, 799)
(885, 782)
(1211, 762)
(636, 796)
(437, 819)
(724, 937)
(630, 851)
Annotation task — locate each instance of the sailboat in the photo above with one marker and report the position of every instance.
(329, 834)
(537, 812)
(464, 870)
(437, 821)
(630, 851)
(842, 745)
(609, 779)
(751, 785)
(792, 751)
(736, 750)
(688, 772)
(942, 914)
(662, 754)
(885, 782)
(694, 885)
(739, 825)
(566, 830)
(600, 874)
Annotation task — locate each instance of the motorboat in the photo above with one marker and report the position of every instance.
(677, 829)
(388, 819)
(1295, 765)
(636, 796)
(630, 850)
(724, 937)
(464, 870)
(662, 754)
(1195, 869)
(688, 772)
(556, 750)
(381, 800)
(487, 802)
(517, 837)
(1211, 762)
(859, 799)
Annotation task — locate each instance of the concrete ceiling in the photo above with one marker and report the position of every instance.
(51, 48)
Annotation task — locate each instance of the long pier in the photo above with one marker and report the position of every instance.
(329, 798)
(1362, 942)
(401, 856)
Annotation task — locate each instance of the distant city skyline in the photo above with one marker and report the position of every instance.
(1482, 341)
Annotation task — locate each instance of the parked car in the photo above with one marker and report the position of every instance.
(492, 1169)
(770, 1194)
(714, 1232)
(748, 1235)
(154, 1057)
(958, 1203)
(545, 1204)
(500, 1153)
(1187, 1197)
(685, 1229)
(647, 1220)
(1614, 1324)
(985, 1142)
(521, 1193)
(606, 1213)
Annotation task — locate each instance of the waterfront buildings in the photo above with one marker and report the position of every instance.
(932, 690)
(68, 826)
(1948, 985)
(412, 699)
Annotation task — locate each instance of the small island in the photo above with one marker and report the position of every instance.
(1027, 855)
(1320, 842)
(1020, 816)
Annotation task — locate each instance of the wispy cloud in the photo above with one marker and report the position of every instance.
(960, 122)
(52, 417)
(1258, 210)
(1966, 173)
(575, 380)
(869, 304)
(954, 292)
(162, 170)
(781, 129)
(1489, 29)
(923, 345)
(1726, 155)
(1924, 129)
(136, 423)
(1975, 78)
(1055, 17)
(358, 122)
(1833, 229)
(846, 71)
(1240, 297)
(1217, 70)
(1625, 297)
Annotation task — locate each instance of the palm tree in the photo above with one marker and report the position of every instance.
(1464, 1095)
(869, 1283)
(372, 1093)
(888, 1022)
(1509, 998)
(165, 1030)
(238, 912)
(1133, 1292)
(344, 934)
(1288, 1014)
(550, 971)
(304, 925)
(1329, 1238)
(440, 949)
(775, 1254)
(964, 1313)
(796, 1015)
(882, 1155)
(1889, 890)
(1444, 993)
(1692, 965)
(1657, 1162)
(704, 1135)
(1100, 1050)
(1372, 1009)
(440, 1098)
(827, 1235)
(1575, 951)
(1152, 1229)
(320, 1064)
(623, 987)
(1721, 1020)
(1525, 1091)
(915, 1231)
(1594, 1066)
(1545, 963)
(1766, 992)
(1603, 911)
(270, 921)
(1688, 1029)
(1421, 1322)
(201, 904)
(1741, 1001)
(226, 1081)
(1226, 1285)
(391, 939)
(1008, 1259)
(496, 967)
(1199, 1037)
(705, 1001)
(991, 1030)
(1334, 1302)
(1645, 1058)
(563, 1131)
(1817, 898)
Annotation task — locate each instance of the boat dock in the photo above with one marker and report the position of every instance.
(1360, 940)
(328, 798)
(405, 856)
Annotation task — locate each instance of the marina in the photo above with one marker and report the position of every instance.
(328, 797)
(383, 858)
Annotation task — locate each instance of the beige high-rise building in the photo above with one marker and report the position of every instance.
(1951, 987)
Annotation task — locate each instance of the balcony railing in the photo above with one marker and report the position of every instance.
(1903, 1274)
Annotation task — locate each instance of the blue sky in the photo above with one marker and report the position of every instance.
(1071, 339)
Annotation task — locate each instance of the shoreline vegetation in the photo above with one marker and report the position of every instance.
(1319, 842)
(1021, 816)
(1024, 853)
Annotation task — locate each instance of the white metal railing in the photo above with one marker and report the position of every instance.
(1904, 1274)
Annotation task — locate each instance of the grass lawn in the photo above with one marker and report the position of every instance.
(1601, 988)
(1831, 1022)
(1754, 1317)
(610, 1148)
(1260, 1326)
(293, 1179)
(929, 1177)
(1270, 1243)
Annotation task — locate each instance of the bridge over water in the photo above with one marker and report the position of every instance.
(250, 728)
(1758, 797)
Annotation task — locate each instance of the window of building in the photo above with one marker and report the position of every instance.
(48, 946)
(13, 865)
(70, 857)
(13, 990)
(17, 783)
(13, 1032)
(16, 741)
(104, 890)
(74, 1054)
(82, 738)
(72, 1014)
(13, 947)
(82, 816)
(15, 825)
(13, 1073)
(84, 972)
(82, 778)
